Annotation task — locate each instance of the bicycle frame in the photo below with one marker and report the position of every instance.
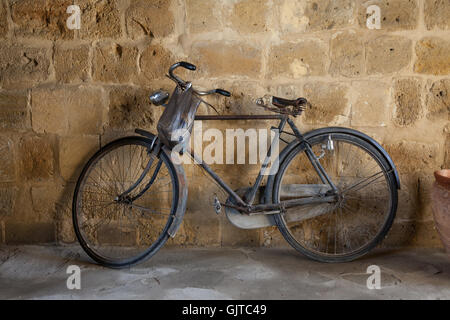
(246, 205)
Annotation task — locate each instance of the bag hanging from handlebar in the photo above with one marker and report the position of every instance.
(176, 122)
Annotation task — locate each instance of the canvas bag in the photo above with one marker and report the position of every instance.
(176, 122)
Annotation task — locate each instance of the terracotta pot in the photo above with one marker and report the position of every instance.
(440, 200)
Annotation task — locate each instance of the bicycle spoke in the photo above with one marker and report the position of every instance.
(149, 210)
(374, 177)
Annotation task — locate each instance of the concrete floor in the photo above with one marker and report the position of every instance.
(32, 272)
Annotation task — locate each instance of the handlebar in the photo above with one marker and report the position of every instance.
(183, 84)
(183, 64)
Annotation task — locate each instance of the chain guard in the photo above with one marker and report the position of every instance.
(245, 221)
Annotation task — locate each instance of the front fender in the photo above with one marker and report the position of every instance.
(182, 186)
(182, 195)
(313, 133)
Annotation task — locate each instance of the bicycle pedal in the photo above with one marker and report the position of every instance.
(217, 205)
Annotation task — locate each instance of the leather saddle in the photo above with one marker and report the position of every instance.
(282, 103)
(285, 106)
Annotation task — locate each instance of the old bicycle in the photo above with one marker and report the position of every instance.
(333, 197)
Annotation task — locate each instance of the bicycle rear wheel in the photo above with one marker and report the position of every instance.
(360, 217)
(121, 231)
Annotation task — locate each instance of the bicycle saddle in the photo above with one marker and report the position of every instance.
(284, 106)
(282, 103)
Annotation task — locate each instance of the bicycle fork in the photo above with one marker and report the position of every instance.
(153, 152)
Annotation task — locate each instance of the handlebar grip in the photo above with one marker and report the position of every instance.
(188, 65)
(223, 92)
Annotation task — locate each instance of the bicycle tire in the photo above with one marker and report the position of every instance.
(163, 237)
(284, 229)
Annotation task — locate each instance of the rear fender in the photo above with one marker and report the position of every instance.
(313, 133)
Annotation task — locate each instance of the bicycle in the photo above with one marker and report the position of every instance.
(333, 197)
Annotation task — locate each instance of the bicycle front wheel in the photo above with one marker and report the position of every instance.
(115, 227)
(362, 213)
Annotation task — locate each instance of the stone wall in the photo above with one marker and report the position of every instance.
(64, 93)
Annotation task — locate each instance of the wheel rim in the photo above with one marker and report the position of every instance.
(351, 224)
(121, 232)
